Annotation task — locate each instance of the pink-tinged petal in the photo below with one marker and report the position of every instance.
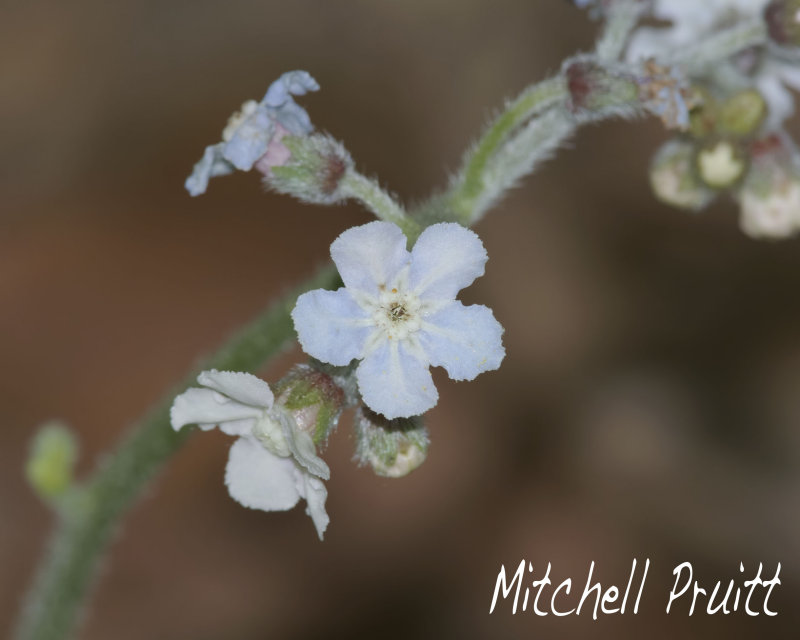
(465, 340)
(259, 479)
(396, 383)
(330, 326)
(242, 387)
(370, 256)
(315, 493)
(207, 408)
(446, 258)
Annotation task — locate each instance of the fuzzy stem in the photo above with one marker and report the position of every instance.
(369, 193)
(623, 15)
(720, 46)
(89, 514)
(470, 183)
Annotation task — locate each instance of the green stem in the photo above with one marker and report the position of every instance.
(90, 513)
(701, 57)
(620, 22)
(369, 193)
(470, 183)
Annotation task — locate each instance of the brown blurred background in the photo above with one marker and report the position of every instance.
(648, 405)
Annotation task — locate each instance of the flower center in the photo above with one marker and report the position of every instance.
(397, 313)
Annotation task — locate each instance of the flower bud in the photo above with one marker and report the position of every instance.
(703, 114)
(673, 179)
(313, 170)
(51, 464)
(393, 448)
(783, 22)
(770, 195)
(721, 163)
(596, 91)
(743, 113)
(313, 398)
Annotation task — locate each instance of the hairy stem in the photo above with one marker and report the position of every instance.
(620, 22)
(89, 514)
(369, 193)
(720, 46)
(469, 185)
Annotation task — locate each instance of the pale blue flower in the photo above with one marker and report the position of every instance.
(398, 315)
(250, 130)
(273, 463)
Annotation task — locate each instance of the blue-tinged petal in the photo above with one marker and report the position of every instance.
(238, 385)
(259, 479)
(464, 340)
(395, 383)
(206, 408)
(315, 493)
(283, 108)
(370, 256)
(249, 141)
(290, 83)
(330, 326)
(446, 258)
(210, 165)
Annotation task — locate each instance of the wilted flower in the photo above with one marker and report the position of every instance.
(397, 313)
(273, 463)
(253, 134)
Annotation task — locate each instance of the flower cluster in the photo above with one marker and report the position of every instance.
(373, 341)
(692, 22)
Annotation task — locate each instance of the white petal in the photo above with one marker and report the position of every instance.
(464, 340)
(370, 256)
(301, 445)
(250, 140)
(243, 387)
(206, 408)
(331, 326)
(259, 479)
(315, 493)
(210, 165)
(395, 383)
(446, 258)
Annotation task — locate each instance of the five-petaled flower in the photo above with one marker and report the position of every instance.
(273, 463)
(398, 315)
(254, 133)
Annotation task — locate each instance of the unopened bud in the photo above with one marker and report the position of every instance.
(314, 400)
(314, 170)
(703, 115)
(51, 464)
(673, 178)
(783, 22)
(393, 448)
(770, 196)
(743, 113)
(721, 163)
(597, 91)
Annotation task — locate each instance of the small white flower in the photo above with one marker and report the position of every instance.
(397, 313)
(248, 134)
(695, 20)
(273, 463)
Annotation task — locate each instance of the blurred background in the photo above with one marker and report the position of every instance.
(648, 405)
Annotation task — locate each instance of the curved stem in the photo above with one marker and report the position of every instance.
(89, 513)
(468, 187)
(369, 193)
